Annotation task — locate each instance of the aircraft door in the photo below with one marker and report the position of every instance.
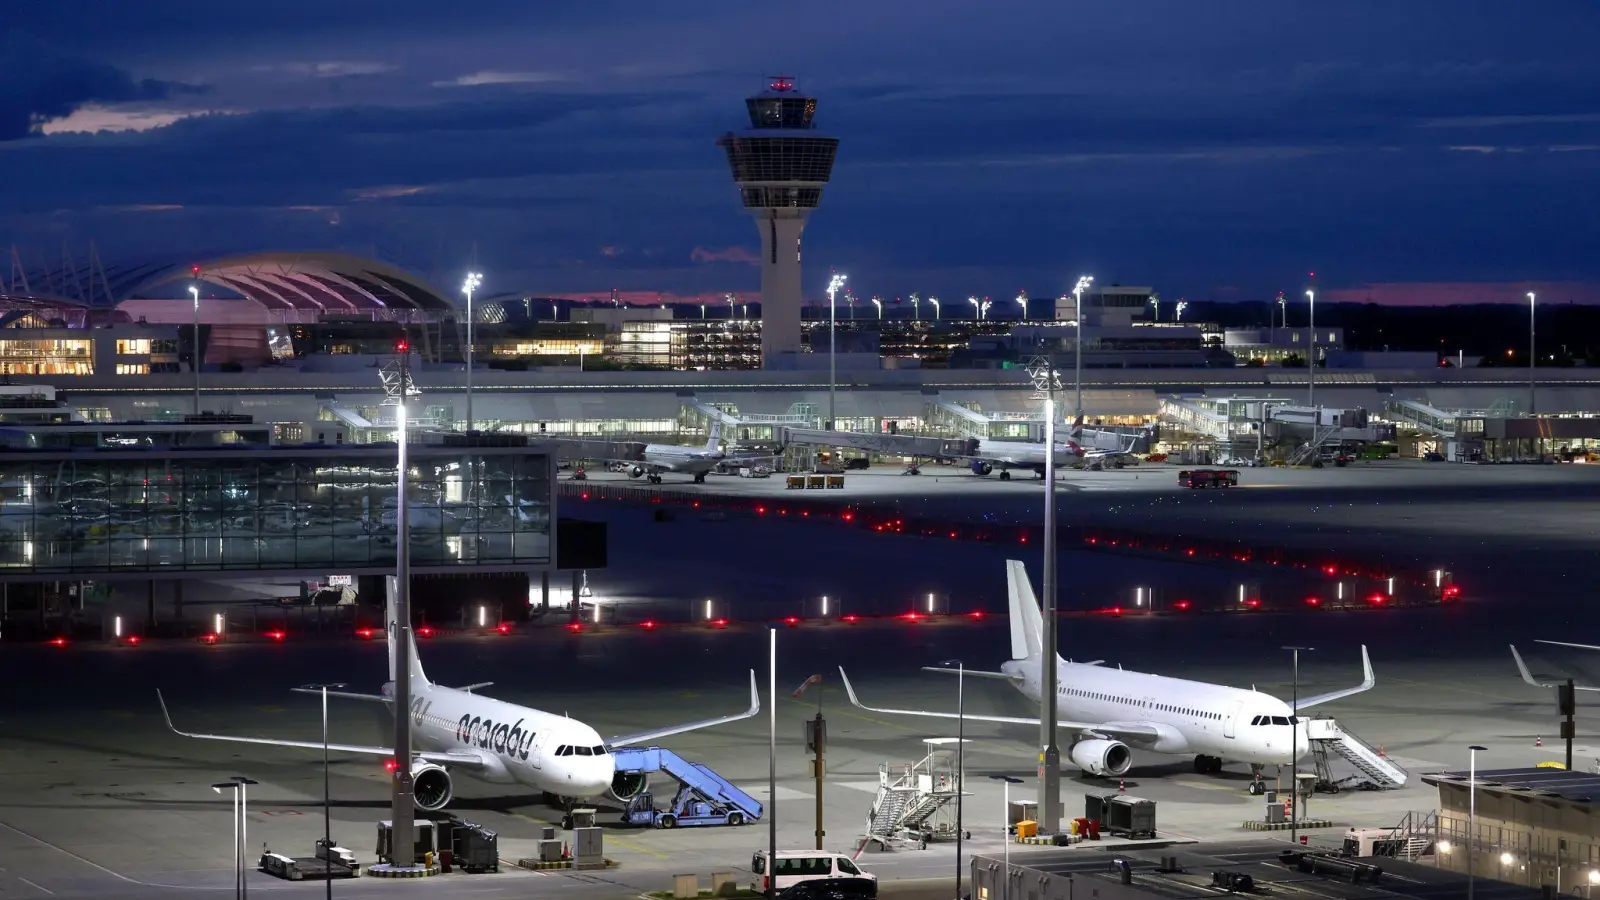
(535, 750)
(1230, 720)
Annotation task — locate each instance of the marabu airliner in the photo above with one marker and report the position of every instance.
(456, 730)
(1111, 712)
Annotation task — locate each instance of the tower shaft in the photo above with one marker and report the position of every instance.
(781, 287)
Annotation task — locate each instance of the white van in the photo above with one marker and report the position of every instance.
(795, 866)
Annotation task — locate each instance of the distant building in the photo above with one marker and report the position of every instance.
(1271, 346)
(1113, 304)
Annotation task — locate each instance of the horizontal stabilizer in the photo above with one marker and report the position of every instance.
(472, 687)
(1527, 676)
(1569, 644)
(345, 695)
(971, 673)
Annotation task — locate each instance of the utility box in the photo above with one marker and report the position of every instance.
(816, 734)
(423, 837)
(1094, 806)
(1022, 811)
(724, 884)
(548, 850)
(685, 887)
(475, 848)
(588, 848)
(1132, 817)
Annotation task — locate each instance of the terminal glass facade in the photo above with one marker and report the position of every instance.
(332, 509)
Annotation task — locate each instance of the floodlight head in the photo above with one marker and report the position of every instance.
(471, 284)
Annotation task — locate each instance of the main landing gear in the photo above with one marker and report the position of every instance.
(1207, 765)
(1005, 474)
(654, 478)
(700, 478)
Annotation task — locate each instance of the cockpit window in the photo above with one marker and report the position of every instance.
(582, 751)
(599, 750)
(1275, 720)
(563, 750)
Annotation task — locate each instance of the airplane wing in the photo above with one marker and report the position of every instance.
(1126, 731)
(347, 695)
(623, 740)
(1528, 676)
(1367, 683)
(1567, 644)
(463, 758)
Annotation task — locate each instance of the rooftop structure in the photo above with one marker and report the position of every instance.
(780, 164)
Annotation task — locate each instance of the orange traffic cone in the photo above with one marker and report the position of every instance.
(564, 852)
(1121, 788)
(1538, 741)
(1380, 750)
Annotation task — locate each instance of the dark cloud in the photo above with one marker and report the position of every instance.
(39, 84)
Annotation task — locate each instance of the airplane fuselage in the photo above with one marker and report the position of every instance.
(1191, 717)
(525, 746)
(683, 460)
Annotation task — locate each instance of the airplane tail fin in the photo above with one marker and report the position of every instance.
(392, 629)
(1027, 623)
(715, 439)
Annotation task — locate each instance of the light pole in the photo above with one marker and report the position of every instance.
(834, 284)
(1532, 358)
(772, 764)
(1294, 747)
(1046, 381)
(879, 304)
(194, 291)
(1311, 359)
(238, 874)
(1005, 830)
(977, 311)
(241, 809)
(1155, 302)
(702, 311)
(1022, 301)
(1077, 353)
(983, 311)
(327, 817)
(935, 302)
(1182, 305)
(1472, 815)
(961, 754)
(916, 308)
(473, 280)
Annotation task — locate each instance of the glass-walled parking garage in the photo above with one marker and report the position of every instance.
(99, 513)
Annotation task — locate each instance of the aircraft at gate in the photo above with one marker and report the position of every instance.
(984, 456)
(658, 458)
(1112, 712)
(456, 730)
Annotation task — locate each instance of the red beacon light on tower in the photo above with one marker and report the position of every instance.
(781, 84)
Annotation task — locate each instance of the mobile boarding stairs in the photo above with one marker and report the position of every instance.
(913, 803)
(1374, 771)
(703, 796)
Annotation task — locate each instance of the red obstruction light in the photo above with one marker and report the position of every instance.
(58, 642)
(851, 619)
(791, 621)
(365, 633)
(503, 628)
(277, 635)
(426, 631)
(1181, 605)
(648, 624)
(1313, 601)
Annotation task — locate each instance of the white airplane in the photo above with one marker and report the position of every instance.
(655, 459)
(1110, 712)
(1528, 676)
(456, 730)
(984, 455)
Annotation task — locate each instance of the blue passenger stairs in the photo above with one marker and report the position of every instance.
(703, 797)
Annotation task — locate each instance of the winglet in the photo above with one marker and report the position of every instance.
(1523, 668)
(850, 689)
(755, 696)
(164, 714)
(1368, 680)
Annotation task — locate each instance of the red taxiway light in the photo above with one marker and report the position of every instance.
(976, 614)
(852, 619)
(1252, 603)
(1181, 605)
(365, 633)
(503, 628)
(277, 635)
(1313, 601)
(1375, 599)
(58, 642)
(426, 631)
(210, 637)
(720, 623)
(791, 621)
(574, 627)
(647, 624)
(132, 639)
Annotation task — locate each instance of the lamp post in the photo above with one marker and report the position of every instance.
(935, 302)
(1022, 301)
(772, 764)
(1472, 815)
(879, 304)
(1294, 747)
(1311, 358)
(1155, 302)
(977, 311)
(194, 362)
(961, 755)
(327, 817)
(473, 280)
(241, 809)
(1077, 339)
(238, 874)
(1046, 381)
(1532, 357)
(983, 311)
(1005, 830)
(916, 308)
(834, 284)
(1182, 305)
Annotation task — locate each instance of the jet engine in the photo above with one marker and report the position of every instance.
(981, 467)
(636, 472)
(430, 786)
(627, 785)
(1102, 757)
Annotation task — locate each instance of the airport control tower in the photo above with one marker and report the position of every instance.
(780, 164)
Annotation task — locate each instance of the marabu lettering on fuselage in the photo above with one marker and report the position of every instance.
(499, 737)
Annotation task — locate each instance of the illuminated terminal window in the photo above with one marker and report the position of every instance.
(69, 356)
(132, 347)
(133, 369)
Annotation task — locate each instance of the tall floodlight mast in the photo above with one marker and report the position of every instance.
(780, 164)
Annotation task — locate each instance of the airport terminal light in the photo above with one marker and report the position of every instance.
(1532, 358)
(935, 302)
(1005, 830)
(1046, 381)
(1022, 301)
(977, 311)
(983, 310)
(1294, 746)
(879, 304)
(1182, 305)
(961, 754)
(1472, 813)
(916, 308)
(1311, 359)
(327, 815)
(834, 284)
(473, 280)
(1156, 303)
(238, 873)
(1077, 339)
(194, 362)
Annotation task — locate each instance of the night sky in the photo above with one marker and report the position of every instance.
(1408, 151)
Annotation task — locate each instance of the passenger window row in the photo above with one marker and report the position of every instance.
(569, 750)
(1182, 710)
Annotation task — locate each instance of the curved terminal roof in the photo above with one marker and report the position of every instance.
(322, 282)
